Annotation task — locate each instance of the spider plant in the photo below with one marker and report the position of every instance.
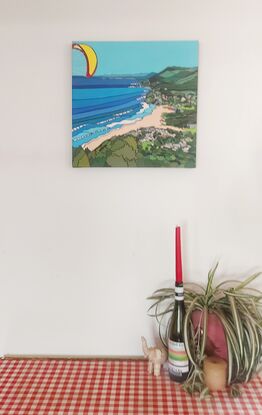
(236, 306)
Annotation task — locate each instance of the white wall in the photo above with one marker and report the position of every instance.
(80, 249)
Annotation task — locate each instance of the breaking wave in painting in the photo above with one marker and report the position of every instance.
(102, 104)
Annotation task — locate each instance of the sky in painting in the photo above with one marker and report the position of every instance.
(122, 58)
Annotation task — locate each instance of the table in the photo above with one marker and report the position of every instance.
(99, 386)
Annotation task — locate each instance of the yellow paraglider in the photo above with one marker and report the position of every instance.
(91, 58)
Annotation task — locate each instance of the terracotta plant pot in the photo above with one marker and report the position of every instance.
(216, 344)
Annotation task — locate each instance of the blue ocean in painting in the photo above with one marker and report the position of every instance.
(101, 104)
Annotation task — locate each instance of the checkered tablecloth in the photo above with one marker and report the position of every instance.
(39, 387)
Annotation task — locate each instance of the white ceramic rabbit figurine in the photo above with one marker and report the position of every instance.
(156, 357)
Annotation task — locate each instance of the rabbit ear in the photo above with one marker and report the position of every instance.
(144, 346)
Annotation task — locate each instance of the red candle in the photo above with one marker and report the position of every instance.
(179, 274)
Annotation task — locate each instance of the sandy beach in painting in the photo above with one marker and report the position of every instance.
(153, 120)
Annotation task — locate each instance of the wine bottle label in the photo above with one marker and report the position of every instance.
(179, 293)
(178, 362)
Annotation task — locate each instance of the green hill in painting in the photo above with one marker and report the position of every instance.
(176, 87)
(176, 79)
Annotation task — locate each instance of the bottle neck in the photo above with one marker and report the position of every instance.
(179, 291)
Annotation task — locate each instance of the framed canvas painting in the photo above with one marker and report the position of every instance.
(134, 104)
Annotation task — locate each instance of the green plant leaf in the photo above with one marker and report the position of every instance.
(186, 339)
(253, 349)
(204, 334)
(229, 361)
(232, 283)
(204, 394)
(210, 278)
(235, 391)
(238, 324)
(231, 337)
(247, 281)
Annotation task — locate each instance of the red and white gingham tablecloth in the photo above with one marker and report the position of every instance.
(40, 387)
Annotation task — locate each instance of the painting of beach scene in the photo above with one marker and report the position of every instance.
(134, 104)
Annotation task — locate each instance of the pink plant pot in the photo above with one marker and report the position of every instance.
(216, 344)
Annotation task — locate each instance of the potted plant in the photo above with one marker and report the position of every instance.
(223, 320)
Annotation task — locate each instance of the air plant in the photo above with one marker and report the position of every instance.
(231, 307)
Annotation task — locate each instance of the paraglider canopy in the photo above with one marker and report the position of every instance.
(90, 56)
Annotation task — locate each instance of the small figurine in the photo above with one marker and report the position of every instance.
(156, 357)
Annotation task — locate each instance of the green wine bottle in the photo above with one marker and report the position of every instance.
(178, 362)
